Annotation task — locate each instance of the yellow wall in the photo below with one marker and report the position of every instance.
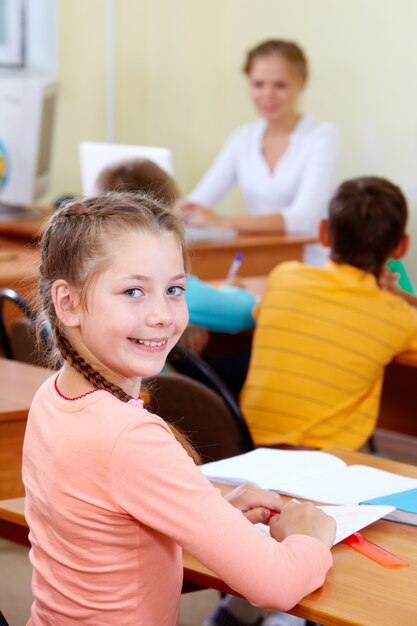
(179, 84)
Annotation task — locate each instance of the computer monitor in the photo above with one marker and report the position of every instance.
(27, 110)
(95, 156)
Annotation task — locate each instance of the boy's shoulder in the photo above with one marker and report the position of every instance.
(290, 266)
(292, 269)
(399, 304)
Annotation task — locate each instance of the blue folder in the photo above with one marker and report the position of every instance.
(405, 503)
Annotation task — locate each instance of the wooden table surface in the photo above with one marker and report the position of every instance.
(18, 384)
(209, 259)
(357, 591)
(27, 229)
(261, 253)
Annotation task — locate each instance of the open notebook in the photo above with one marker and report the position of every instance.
(349, 519)
(313, 475)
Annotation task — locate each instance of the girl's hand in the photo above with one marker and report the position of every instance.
(256, 504)
(304, 519)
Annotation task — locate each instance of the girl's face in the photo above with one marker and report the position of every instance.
(274, 87)
(135, 310)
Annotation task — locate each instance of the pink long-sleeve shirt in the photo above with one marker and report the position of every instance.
(110, 498)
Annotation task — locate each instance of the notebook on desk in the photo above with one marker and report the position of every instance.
(96, 155)
(313, 475)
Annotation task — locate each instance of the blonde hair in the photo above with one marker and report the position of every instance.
(74, 248)
(288, 50)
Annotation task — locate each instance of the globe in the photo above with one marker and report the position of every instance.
(4, 164)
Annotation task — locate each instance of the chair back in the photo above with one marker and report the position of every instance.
(9, 295)
(23, 341)
(192, 365)
(200, 413)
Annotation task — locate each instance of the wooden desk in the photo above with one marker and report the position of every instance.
(357, 591)
(18, 384)
(19, 266)
(28, 229)
(211, 260)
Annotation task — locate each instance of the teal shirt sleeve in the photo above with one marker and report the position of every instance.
(224, 310)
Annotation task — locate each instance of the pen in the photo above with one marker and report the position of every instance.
(234, 268)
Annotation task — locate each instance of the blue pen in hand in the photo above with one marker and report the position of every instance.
(234, 268)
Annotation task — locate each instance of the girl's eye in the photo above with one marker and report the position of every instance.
(133, 293)
(175, 290)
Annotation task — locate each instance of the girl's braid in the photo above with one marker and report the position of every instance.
(80, 365)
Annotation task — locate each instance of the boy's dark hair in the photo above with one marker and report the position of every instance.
(367, 218)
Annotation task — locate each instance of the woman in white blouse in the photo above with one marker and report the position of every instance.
(285, 163)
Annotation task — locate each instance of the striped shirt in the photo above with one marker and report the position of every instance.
(323, 337)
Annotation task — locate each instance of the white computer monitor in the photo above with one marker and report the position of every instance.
(95, 156)
(27, 111)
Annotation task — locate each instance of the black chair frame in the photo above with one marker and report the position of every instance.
(197, 368)
(12, 296)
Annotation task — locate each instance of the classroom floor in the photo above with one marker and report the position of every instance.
(15, 594)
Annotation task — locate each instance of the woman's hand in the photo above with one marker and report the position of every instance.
(304, 519)
(256, 504)
(196, 214)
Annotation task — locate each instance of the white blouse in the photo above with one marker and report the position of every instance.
(299, 187)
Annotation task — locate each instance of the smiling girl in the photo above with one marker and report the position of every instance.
(112, 493)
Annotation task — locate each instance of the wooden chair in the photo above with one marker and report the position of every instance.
(201, 414)
(194, 366)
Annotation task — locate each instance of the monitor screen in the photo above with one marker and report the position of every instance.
(27, 111)
(95, 156)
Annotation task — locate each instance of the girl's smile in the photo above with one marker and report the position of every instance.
(150, 344)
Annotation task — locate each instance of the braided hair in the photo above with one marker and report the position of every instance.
(73, 248)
